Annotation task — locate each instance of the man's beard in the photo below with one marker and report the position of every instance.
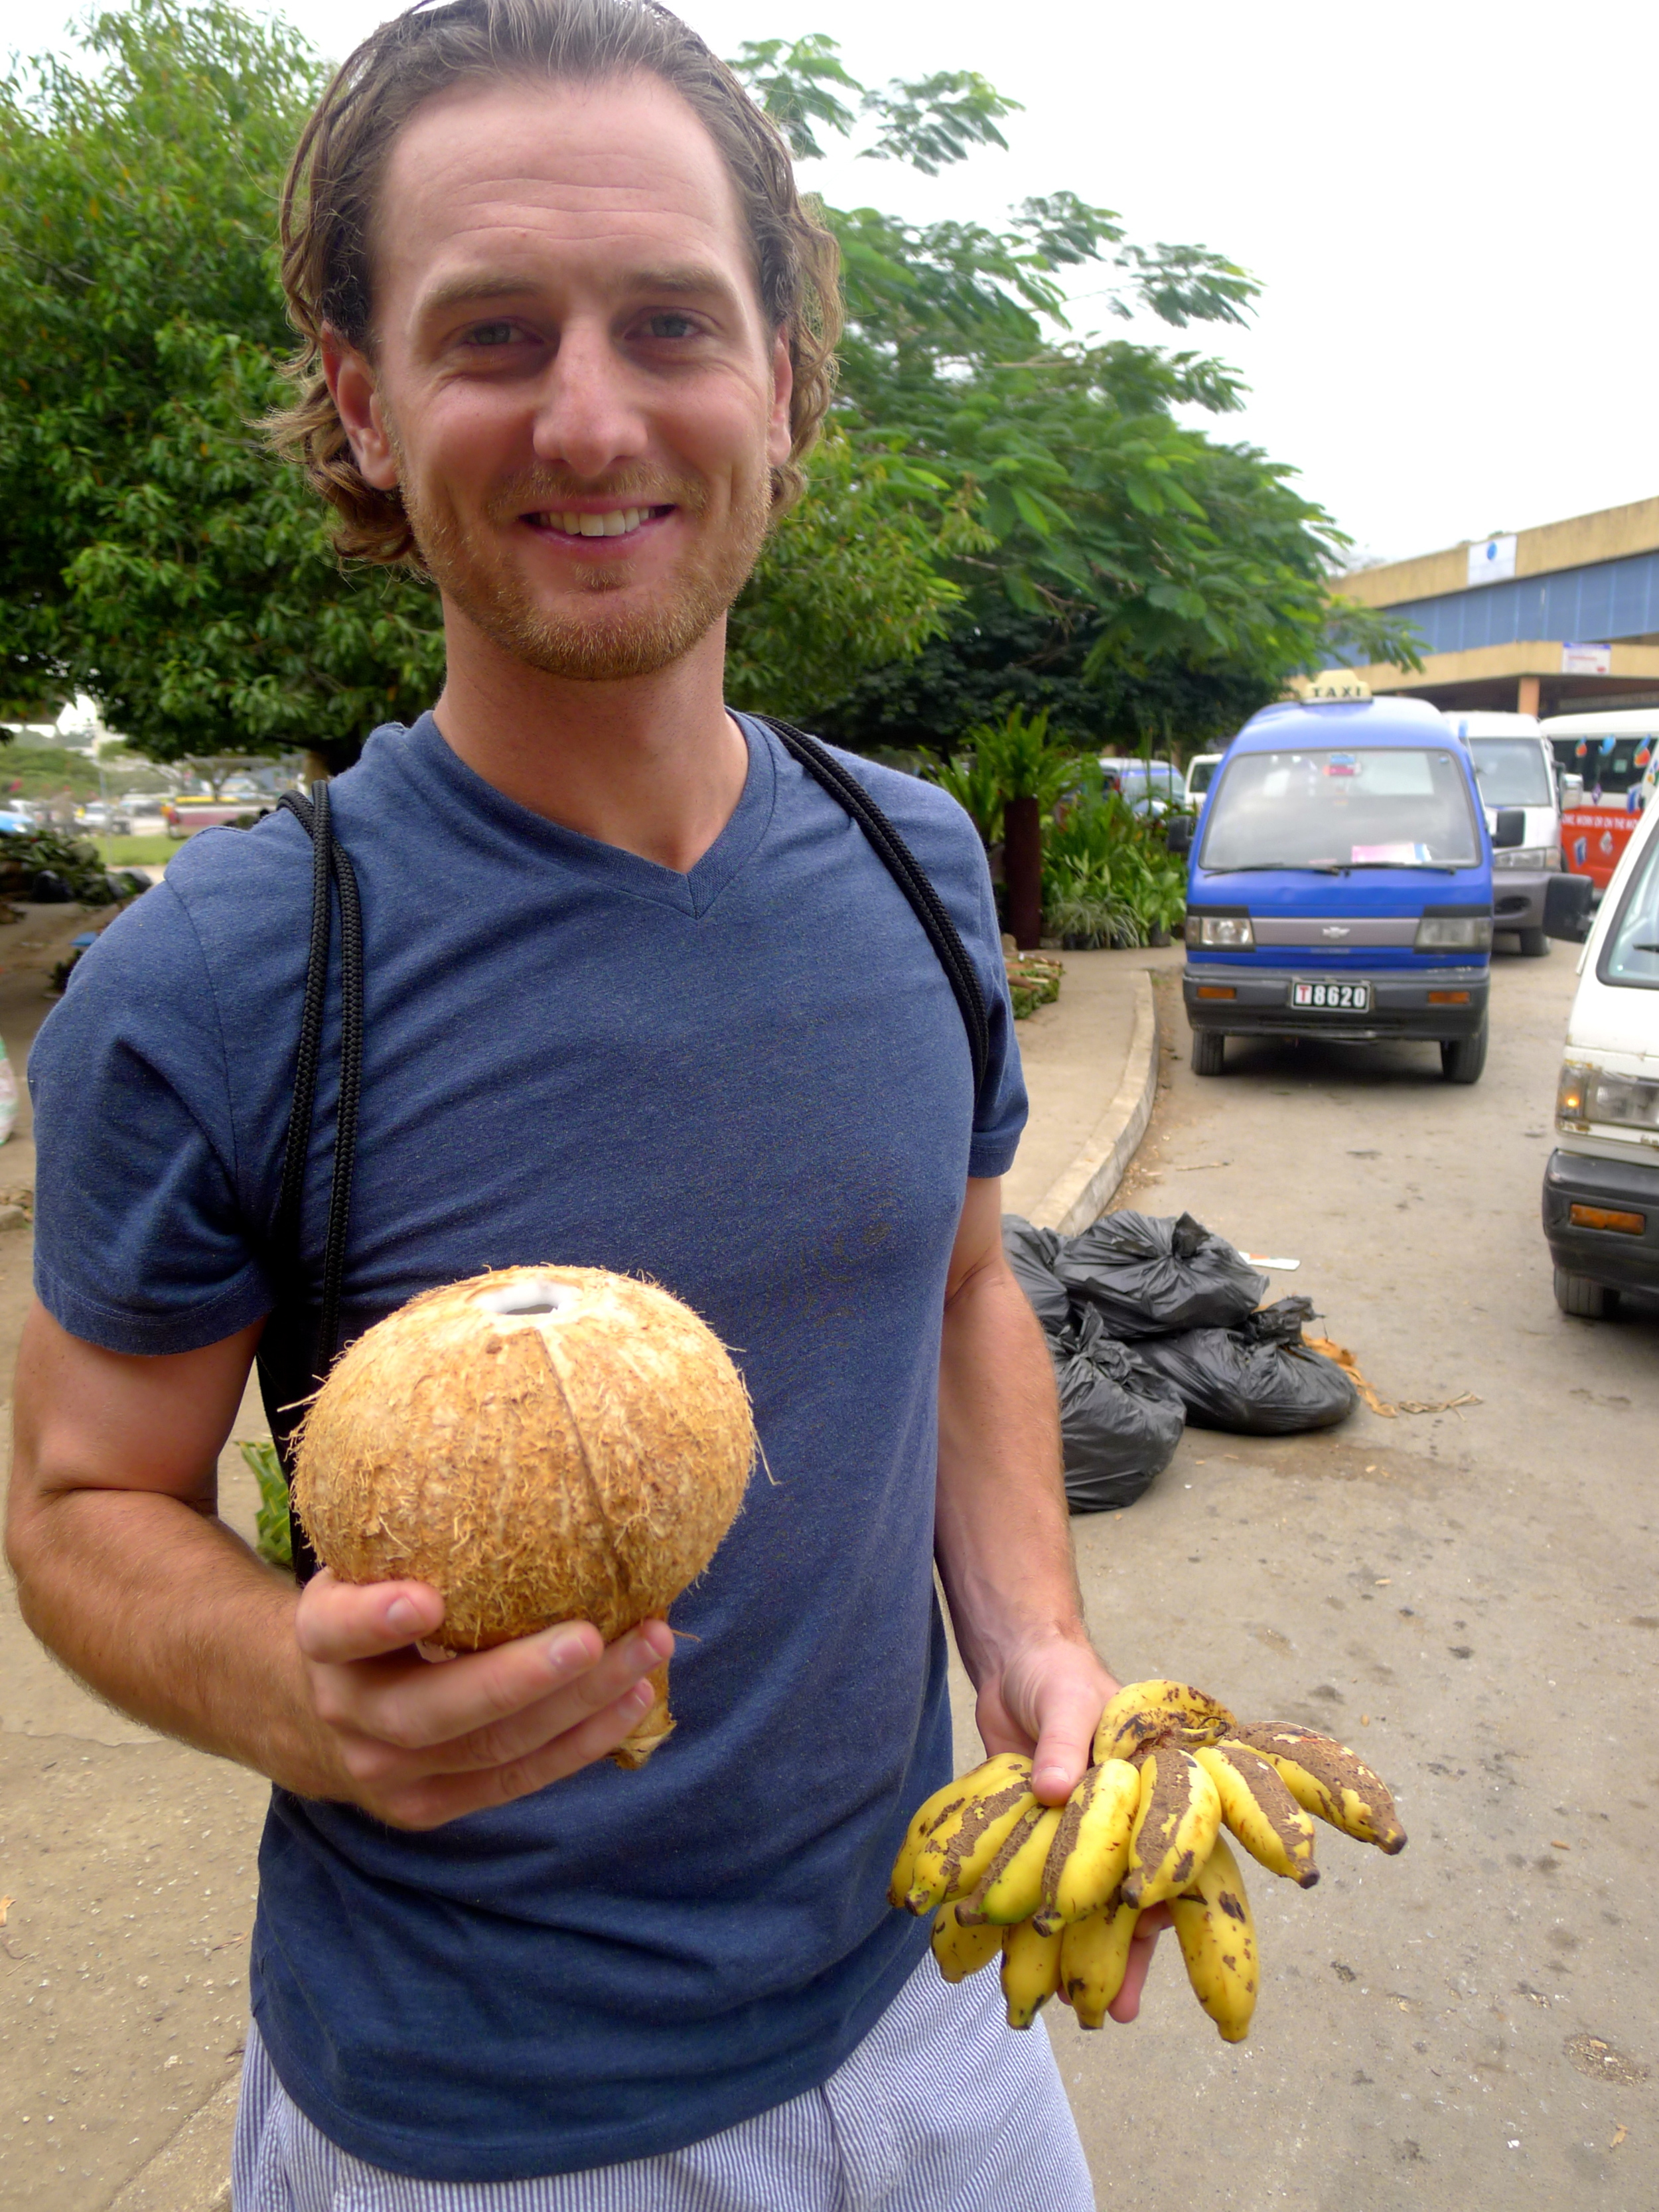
(585, 639)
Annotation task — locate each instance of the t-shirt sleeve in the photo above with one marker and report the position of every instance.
(141, 1242)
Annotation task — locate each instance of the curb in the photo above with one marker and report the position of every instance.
(1081, 1194)
(191, 2172)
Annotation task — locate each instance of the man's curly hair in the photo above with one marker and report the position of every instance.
(329, 202)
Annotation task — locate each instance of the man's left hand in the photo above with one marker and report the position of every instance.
(1047, 1701)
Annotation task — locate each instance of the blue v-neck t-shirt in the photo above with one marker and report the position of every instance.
(751, 1082)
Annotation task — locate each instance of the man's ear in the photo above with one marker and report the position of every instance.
(351, 384)
(780, 435)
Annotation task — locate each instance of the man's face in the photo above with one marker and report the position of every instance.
(573, 381)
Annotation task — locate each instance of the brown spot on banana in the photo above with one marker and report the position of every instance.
(1326, 1778)
(1176, 1827)
(940, 1868)
(969, 1912)
(1261, 1811)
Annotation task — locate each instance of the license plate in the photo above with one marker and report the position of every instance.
(1332, 998)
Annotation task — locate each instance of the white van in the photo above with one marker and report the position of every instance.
(1602, 1185)
(1200, 772)
(1515, 767)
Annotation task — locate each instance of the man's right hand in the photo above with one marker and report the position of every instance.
(417, 1744)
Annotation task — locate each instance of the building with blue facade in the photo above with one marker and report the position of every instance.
(1556, 620)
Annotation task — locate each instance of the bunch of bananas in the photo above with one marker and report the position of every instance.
(1055, 1891)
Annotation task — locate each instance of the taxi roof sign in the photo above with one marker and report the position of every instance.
(1335, 687)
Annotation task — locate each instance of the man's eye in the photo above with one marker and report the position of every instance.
(491, 334)
(668, 325)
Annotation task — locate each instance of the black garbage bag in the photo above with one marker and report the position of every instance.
(1282, 1322)
(1032, 1253)
(1259, 1380)
(49, 889)
(1119, 1424)
(1145, 1275)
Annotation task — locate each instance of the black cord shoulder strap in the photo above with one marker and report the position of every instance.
(908, 873)
(329, 862)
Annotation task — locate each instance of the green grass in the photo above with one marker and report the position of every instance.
(143, 852)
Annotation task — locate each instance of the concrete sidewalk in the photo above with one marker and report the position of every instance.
(128, 1861)
(1090, 1061)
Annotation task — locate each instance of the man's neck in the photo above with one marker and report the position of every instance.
(653, 765)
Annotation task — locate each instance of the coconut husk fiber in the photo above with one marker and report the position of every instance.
(538, 1444)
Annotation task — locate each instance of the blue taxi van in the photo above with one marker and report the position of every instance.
(1340, 882)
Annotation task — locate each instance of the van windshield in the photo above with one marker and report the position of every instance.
(1510, 772)
(1631, 954)
(1368, 807)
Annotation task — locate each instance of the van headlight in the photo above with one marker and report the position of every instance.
(1544, 857)
(1222, 932)
(1592, 1094)
(1454, 933)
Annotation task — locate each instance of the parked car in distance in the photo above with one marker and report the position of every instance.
(103, 820)
(1515, 766)
(1201, 773)
(1601, 1203)
(196, 810)
(1149, 787)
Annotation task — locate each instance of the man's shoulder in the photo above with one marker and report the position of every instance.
(929, 820)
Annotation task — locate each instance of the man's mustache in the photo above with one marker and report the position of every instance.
(540, 491)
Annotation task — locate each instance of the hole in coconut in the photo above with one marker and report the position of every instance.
(529, 1300)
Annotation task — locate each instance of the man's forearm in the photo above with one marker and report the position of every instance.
(1003, 1536)
(190, 1632)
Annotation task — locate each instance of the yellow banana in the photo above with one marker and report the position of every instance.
(1011, 1888)
(1094, 1956)
(952, 1859)
(1030, 1971)
(1326, 1778)
(1090, 1854)
(954, 1798)
(1177, 1823)
(1148, 1712)
(960, 1951)
(1260, 1810)
(1218, 1942)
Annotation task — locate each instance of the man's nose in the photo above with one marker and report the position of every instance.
(589, 420)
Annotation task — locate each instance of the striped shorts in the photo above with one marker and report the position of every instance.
(940, 2109)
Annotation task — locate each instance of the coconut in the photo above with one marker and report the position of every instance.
(539, 1444)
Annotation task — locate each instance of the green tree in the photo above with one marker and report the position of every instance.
(1014, 779)
(1140, 575)
(152, 554)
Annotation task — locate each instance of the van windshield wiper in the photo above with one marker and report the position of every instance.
(1279, 867)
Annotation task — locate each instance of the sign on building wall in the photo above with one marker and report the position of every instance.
(1492, 561)
(1586, 661)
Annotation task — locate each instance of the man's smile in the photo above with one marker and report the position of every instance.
(602, 522)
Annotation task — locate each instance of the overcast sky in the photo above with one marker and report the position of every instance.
(1450, 205)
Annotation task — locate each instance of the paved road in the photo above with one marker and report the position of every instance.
(1469, 1600)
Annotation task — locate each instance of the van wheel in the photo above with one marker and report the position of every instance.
(1462, 1059)
(1534, 944)
(1209, 1051)
(1584, 1300)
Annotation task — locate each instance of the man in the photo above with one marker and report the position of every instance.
(639, 995)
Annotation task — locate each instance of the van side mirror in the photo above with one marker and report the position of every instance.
(1509, 828)
(1572, 789)
(1567, 909)
(1178, 832)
